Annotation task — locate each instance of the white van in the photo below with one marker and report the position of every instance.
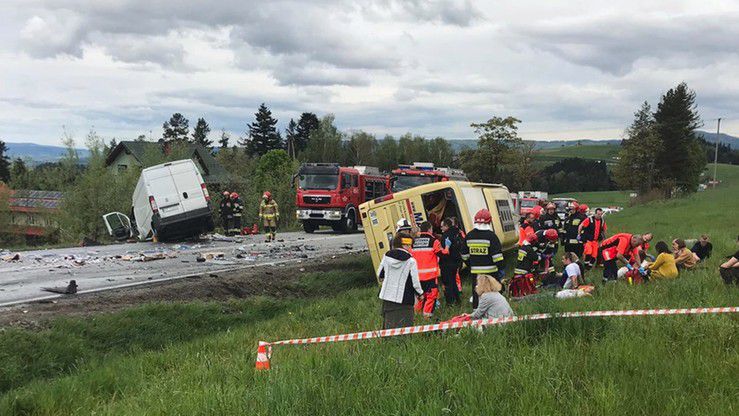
(170, 201)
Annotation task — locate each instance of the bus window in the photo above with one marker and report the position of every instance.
(475, 200)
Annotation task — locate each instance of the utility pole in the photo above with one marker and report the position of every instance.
(715, 155)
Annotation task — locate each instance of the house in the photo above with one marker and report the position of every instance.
(32, 213)
(129, 154)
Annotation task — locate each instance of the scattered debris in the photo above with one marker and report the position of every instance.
(11, 257)
(71, 288)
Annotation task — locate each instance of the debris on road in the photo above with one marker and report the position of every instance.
(71, 289)
(11, 257)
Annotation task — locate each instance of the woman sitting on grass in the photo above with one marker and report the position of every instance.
(684, 258)
(730, 268)
(491, 304)
(664, 265)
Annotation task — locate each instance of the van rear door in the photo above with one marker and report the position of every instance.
(187, 180)
(162, 187)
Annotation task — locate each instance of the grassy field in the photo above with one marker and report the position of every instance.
(607, 152)
(198, 358)
(598, 199)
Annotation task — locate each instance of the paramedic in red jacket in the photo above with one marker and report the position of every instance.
(591, 231)
(619, 248)
(426, 250)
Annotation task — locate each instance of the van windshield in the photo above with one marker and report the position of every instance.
(407, 182)
(311, 181)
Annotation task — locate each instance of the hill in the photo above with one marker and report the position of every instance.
(197, 358)
(39, 153)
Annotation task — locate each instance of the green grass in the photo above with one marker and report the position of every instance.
(623, 366)
(605, 152)
(598, 199)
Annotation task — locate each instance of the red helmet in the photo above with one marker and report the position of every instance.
(583, 208)
(574, 206)
(537, 211)
(532, 238)
(483, 217)
(551, 235)
(234, 195)
(267, 195)
(551, 206)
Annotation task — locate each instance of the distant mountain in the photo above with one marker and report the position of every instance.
(723, 138)
(39, 153)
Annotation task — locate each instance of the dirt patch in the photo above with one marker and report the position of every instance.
(277, 281)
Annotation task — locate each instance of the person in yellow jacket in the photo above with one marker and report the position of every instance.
(664, 265)
(269, 213)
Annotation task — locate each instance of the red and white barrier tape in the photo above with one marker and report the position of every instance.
(493, 321)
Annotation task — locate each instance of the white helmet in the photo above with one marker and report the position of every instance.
(403, 225)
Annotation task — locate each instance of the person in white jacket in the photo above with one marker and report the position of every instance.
(398, 272)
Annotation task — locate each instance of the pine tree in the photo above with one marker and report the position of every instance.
(307, 123)
(225, 137)
(200, 133)
(4, 163)
(637, 164)
(680, 160)
(263, 135)
(19, 174)
(176, 129)
(291, 138)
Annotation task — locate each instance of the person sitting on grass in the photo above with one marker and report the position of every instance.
(401, 286)
(572, 276)
(684, 258)
(663, 266)
(730, 268)
(491, 303)
(702, 248)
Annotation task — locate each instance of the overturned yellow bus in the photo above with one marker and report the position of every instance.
(434, 202)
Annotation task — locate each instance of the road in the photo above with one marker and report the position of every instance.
(120, 265)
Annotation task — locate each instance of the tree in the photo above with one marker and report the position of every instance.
(440, 152)
(291, 138)
(200, 133)
(225, 137)
(680, 159)
(361, 149)
(176, 129)
(4, 163)
(500, 153)
(387, 154)
(274, 173)
(19, 178)
(325, 144)
(306, 124)
(263, 135)
(637, 165)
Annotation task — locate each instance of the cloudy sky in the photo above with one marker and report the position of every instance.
(568, 69)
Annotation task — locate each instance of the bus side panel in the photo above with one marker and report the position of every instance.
(505, 223)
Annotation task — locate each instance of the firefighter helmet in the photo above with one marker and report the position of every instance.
(532, 238)
(402, 225)
(483, 217)
(537, 211)
(267, 195)
(574, 206)
(551, 235)
(234, 195)
(583, 208)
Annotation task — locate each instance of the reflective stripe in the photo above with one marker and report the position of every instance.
(431, 270)
(465, 256)
(497, 257)
(482, 242)
(520, 252)
(520, 271)
(574, 241)
(484, 269)
(423, 249)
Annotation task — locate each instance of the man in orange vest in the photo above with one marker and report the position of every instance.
(529, 224)
(619, 248)
(426, 250)
(591, 231)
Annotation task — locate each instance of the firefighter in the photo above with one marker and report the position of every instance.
(546, 247)
(269, 213)
(483, 252)
(529, 224)
(549, 220)
(237, 207)
(450, 262)
(226, 211)
(426, 250)
(592, 231)
(620, 247)
(571, 227)
(403, 226)
(524, 280)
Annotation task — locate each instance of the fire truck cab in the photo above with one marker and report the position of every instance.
(421, 173)
(329, 194)
(433, 202)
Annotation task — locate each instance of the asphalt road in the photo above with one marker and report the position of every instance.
(120, 265)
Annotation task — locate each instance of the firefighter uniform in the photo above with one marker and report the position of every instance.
(611, 248)
(526, 227)
(571, 224)
(450, 264)
(484, 255)
(426, 250)
(269, 213)
(226, 212)
(592, 233)
(524, 282)
(237, 207)
(546, 250)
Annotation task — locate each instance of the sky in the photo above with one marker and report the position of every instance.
(567, 69)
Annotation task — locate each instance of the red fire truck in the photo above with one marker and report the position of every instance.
(329, 194)
(421, 173)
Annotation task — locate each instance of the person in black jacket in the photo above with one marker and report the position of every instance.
(571, 228)
(702, 248)
(450, 263)
(482, 251)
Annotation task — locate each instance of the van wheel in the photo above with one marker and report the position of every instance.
(309, 227)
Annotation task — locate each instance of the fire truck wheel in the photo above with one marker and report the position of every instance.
(349, 223)
(309, 227)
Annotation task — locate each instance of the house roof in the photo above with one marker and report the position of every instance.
(213, 172)
(31, 200)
